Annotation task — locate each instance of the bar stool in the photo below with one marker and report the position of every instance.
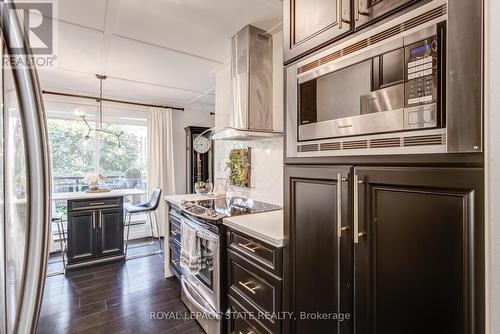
(57, 219)
(147, 208)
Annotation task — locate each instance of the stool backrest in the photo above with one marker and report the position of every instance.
(154, 200)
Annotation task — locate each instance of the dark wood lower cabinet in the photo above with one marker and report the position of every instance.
(82, 236)
(255, 285)
(319, 262)
(419, 260)
(111, 232)
(95, 230)
(410, 258)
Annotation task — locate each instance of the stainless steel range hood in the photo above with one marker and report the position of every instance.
(251, 116)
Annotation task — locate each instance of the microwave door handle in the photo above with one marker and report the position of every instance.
(197, 304)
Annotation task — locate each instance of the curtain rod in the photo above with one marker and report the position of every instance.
(110, 100)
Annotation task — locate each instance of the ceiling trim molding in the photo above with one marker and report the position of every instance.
(207, 92)
(92, 75)
(109, 26)
(215, 61)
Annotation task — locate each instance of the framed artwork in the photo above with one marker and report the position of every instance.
(239, 165)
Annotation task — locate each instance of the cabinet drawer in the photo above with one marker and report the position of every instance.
(95, 203)
(266, 255)
(241, 320)
(254, 287)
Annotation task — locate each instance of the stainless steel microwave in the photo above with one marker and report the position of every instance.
(387, 90)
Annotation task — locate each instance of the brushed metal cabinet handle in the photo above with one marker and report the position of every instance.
(251, 247)
(356, 209)
(357, 234)
(245, 285)
(339, 205)
(339, 13)
(96, 203)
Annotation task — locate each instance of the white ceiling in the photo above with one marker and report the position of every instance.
(155, 51)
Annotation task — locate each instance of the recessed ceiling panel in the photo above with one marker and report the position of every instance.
(201, 27)
(79, 48)
(146, 63)
(87, 13)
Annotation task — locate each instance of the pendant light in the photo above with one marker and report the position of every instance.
(85, 142)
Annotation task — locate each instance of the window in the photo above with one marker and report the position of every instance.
(73, 158)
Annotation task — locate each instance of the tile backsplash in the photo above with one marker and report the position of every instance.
(266, 175)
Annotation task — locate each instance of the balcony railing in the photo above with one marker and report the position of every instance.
(76, 183)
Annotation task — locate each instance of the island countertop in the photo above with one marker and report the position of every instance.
(84, 195)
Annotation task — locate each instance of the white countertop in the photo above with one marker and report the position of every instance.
(264, 226)
(84, 195)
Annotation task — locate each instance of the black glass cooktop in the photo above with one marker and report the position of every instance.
(236, 206)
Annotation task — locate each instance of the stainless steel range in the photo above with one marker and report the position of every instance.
(204, 293)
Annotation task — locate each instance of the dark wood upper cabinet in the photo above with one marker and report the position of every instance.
(368, 11)
(311, 24)
(419, 258)
(318, 262)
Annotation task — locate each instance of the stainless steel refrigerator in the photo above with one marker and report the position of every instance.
(24, 185)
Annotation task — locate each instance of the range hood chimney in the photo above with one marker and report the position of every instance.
(251, 117)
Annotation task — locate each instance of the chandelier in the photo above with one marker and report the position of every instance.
(85, 142)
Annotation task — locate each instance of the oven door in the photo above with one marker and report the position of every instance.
(207, 281)
(205, 314)
(367, 11)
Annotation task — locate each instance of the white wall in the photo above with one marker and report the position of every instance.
(223, 97)
(194, 115)
(266, 156)
(492, 138)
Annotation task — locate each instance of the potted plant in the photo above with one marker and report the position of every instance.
(133, 177)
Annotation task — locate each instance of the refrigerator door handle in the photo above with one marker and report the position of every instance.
(38, 169)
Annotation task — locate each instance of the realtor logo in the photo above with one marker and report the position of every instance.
(37, 20)
(37, 24)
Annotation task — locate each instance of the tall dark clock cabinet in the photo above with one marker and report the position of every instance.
(199, 167)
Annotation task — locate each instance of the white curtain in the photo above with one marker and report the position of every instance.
(161, 158)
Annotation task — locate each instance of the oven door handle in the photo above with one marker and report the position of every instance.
(208, 311)
(201, 232)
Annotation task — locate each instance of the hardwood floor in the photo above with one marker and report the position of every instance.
(115, 298)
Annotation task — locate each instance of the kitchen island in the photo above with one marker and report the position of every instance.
(95, 226)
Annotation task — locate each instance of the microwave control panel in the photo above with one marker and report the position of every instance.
(421, 73)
